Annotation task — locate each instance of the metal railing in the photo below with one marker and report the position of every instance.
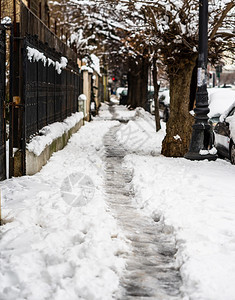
(48, 95)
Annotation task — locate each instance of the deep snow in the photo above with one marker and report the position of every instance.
(51, 248)
(63, 243)
(196, 200)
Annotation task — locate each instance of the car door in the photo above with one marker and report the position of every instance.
(222, 138)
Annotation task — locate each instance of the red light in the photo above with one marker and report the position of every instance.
(113, 78)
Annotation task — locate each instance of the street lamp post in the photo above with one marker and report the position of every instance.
(200, 139)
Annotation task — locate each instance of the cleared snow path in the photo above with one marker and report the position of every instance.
(151, 271)
(59, 241)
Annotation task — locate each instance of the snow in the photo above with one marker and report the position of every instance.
(61, 65)
(177, 137)
(82, 97)
(50, 249)
(6, 20)
(51, 132)
(197, 201)
(225, 113)
(104, 113)
(86, 68)
(139, 135)
(95, 63)
(229, 67)
(59, 243)
(211, 151)
(119, 90)
(123, 113)
(219, 101)
(35, 55)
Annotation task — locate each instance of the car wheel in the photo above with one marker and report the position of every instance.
(232, 153)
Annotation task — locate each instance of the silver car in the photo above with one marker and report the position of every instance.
(224, 135)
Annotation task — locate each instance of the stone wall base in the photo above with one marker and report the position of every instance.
(35, 163)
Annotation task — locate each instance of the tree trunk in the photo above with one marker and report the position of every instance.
(179, 125)
(131, 89)
(156, 90)
(133, 83)
(144, 81)
(137, 82)
(193, 88)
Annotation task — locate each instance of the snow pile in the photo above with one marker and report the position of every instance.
(212, 151)
(82, 97)
(51, 250)
(51, 132)
(139, 135)
(104, 113)
(35, 55)
(122, 113)
(196, 199)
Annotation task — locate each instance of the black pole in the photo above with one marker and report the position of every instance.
(201, 135)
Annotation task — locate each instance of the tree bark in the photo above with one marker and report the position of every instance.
(193, 88)
(137, 82)
(179, 125)
(133, 83)
(156, 90)
(144, 81)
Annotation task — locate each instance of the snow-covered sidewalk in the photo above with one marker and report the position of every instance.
(59, 240)
(196, 200)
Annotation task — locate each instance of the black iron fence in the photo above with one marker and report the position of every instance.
(2, 101)
(50, 93)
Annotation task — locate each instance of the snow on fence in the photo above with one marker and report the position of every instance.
(52, 85)
(45, 83)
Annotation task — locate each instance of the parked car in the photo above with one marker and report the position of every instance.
(219, 101)
(224, 134)
(119, 91)
(164, 104)
(123, 97)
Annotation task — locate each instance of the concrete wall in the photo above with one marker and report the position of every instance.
(87, 91)
(35, 163)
